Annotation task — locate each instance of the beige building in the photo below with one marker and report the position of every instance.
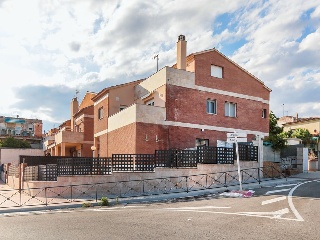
(74, 137)
(312, 124)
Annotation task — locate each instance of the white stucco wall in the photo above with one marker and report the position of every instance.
(12, 155)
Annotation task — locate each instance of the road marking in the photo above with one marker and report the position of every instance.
(293, 209)
(270, 215)
(273, 200)
(287, 185)
(275, 214)
(280, 190)
(195, 208)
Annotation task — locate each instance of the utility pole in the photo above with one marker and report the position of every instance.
(157, 57)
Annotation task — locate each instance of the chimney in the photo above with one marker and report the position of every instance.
(74, 109)
(181, 52)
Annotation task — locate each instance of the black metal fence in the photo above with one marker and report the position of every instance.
(50, 167)
(133, 162)
(120, 190)
(83, 166)
(176, 158)
(47, 172)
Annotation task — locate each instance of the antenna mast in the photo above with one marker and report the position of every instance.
(157, 57)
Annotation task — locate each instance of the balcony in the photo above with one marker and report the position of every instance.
(69, 137)
(137, 113)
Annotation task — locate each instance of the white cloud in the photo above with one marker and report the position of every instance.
(85, 44)
(311, 42)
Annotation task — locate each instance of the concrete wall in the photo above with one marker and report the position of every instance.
(12, 155)
(271, 156)
(151, 83)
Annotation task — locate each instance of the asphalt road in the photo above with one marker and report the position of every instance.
(288, 211)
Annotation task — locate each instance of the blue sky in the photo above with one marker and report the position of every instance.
(48, 49)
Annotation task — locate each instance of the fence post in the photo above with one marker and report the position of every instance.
(71, 193)
(187, 184)
(143, 186)
(96, 193)
(45, 194)
(225, 179)
(259, 175)
(206, 180)
(241, 174)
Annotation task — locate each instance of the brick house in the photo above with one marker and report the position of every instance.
(74, 137)
(197, 101)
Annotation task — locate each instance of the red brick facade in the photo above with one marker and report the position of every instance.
(184, 105)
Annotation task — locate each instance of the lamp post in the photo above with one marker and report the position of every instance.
(93, 148)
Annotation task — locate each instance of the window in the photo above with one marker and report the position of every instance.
(202, 142)
(216, 71)
(100, 113)
(150, 102)
(230, 109)
(211, 106)
(264, 113)
(122, 107)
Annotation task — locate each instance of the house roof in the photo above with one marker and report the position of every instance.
(87, 100)
(302, 120)
(191, 57)
(106, 90)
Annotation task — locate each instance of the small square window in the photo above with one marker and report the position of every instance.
(211, 106)
(216, 71)
(230, 109)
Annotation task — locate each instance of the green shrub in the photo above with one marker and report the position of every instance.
(86, 205)
(104, 201)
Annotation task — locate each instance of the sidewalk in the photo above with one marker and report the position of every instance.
(10, 198)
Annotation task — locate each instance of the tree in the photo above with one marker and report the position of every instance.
(303, 134)
(14, 143)
(276, 136)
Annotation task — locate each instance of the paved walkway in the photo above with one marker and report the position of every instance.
(12, 201)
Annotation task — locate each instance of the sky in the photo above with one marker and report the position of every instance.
(49, 50)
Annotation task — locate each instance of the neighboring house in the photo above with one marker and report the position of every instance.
(197, 101)
(312, 124)
(26, 129)
(75, 136)
(286, 119)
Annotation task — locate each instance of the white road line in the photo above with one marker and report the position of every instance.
(280, 190)
(276, 214)
(273, 200)
(271, 215)
(287, 185)
(195, 208)
(293, 209)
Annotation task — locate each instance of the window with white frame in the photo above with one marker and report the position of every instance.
(211, 106)
(216, 71)
(100, 113)
(230, 109)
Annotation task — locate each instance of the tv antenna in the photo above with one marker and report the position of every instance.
(77, 92)
(157, 57)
